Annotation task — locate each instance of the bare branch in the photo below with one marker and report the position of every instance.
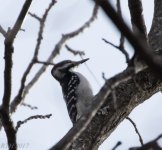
(159, 137)
(57, 49)
(9, 128)
(138, 23)
(120, 47)
(35, 16)
(22, 30)
(155, 35)
(8, 53)
(2, 31)
(4, 111)
(17, 26)
(86, 24)
(135, 127)
(139, 28)
(29, 106)
(114, 98)
(117, 145)
(44, 63)
(18, 98)
(103, 76)
(19, 123)
(75, 52)
(152, 145)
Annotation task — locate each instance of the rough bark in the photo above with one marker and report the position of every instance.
(155, 34)
(128, 95)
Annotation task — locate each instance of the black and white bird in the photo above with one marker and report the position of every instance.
(76, 89)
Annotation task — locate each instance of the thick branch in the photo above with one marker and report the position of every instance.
(138, 23)
(121, 46)
(155, 35)
(9, 129)
(128, 96)
(139, 29)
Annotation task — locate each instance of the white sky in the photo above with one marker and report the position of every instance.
(46, 94)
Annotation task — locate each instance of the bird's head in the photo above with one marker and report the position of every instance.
(63, 67)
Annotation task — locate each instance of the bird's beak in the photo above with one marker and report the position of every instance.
(76, 63)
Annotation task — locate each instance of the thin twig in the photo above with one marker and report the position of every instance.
(135, 127)
(35, 16)
(44, 63)
(117, 145)
(18, 98)
(75, 52)
(159, 137)
(56, 51)
(81, 54)
(120, 47)
(2, 31)
(103, 76)
(29, 106)
(19, 123)
(23, 30)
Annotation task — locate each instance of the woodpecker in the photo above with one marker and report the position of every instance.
(76, 89)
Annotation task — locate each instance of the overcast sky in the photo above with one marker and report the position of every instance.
(65, 17)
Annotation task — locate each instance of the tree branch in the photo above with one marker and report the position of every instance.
(18, 98)
(139, 28)
(135, 127)
(4, 110)
(138, 23)
(35, 16)
(19, 123)
(44, 63)
(2, 31)
(120, 47)
(151, 145)
(117, 145)
(155, 35)
(75, 52)
(29, 106)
